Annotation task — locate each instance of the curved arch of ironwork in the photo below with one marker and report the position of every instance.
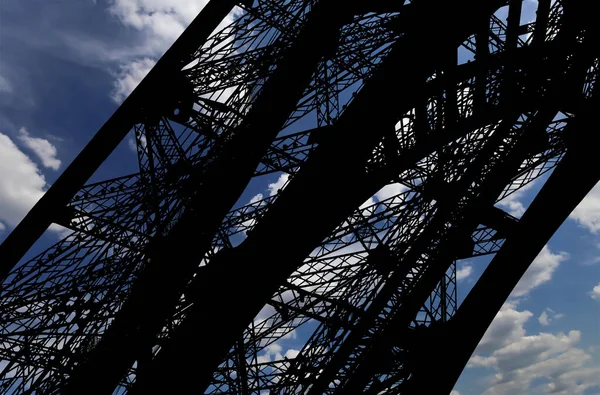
(397, 151)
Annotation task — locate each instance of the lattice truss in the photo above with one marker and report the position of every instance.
(351, 291)
(57, 305)
(353, 285)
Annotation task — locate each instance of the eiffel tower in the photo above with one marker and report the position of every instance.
(397, 126)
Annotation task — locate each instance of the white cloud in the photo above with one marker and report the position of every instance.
(544, 319)
(454, 392)
(151, 28)
(256, 198)
(513, 201)
(369, 202)
(564, 372)
(587, 213)
(273, 349)
(131, 143)
(591, 261)
(251, 222)
(21, 186)
(42, 148)
(548, 316)
(291, 353)
(21, 182)
(159, 24)
(129, 76)
(514, 206)
(595, 294)
(465, 271)
(575, 381)
(389, 191)
(274, 352)
(506, 328)
(5, 86)
(277, 185)
(271, 353)
(519, 360)
(292, 335)
(540, 271)
(533, 349)
(162, 21)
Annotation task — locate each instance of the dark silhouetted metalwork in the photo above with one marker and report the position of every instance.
(400, 126)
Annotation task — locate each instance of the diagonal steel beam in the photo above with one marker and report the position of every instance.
(548, 211)
(156, 292)
(108, 137)
(448, 354)
(207, 329)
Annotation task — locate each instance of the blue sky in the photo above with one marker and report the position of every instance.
(65, 65)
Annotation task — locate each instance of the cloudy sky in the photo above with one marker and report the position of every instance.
(65, 65)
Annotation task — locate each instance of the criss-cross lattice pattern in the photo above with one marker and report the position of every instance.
(490, 115)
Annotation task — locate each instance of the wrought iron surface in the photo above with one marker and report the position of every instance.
(400, 125)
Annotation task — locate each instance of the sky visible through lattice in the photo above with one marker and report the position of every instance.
(65, 67)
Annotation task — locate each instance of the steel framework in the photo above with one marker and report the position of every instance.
(166, 283)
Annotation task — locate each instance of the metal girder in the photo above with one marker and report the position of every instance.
(156, 291)
(435, 243)
(527, 149)
(449, 353)
(361, 377)
(152, 291)
(462, 334)
(437, 262)
(105, 253)
(106, 139)
(193, 335)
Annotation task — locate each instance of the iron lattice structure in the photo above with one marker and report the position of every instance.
(166, 283)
